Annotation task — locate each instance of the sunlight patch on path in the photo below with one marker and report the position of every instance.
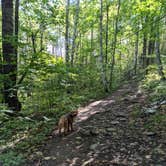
(93, 108)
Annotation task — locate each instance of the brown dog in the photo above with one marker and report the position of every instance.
(66, 122)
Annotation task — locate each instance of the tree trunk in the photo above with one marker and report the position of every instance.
(92, 48)
(33, 38)
(103, 72)
(158, 57)
(106, 35)
(9, 50)
(151, 47)
(67, 32)
(144, 47)
(151, 43)
(16, 22)
(114, 44)
(41, 37)
(144, 51)
(136, 52)
(75, 32)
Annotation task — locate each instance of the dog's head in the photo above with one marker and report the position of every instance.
(74, 113)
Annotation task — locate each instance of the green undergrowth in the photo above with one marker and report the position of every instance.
(44, 100)
(155, 87)
(20, 136)
(25, 134)
(12, 159)
(153, 84)
(45, 96)
(156, 122)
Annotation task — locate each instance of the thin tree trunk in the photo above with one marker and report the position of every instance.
(33, 38)
(92, 53)
(106, 35)
(92, 38)
(151, 47)
(151, 42)
(41, 37)
(136, 52)
(114, 44)
(77, 51)
(86, 55)
(10, 54)
(158, 57)
(80, 52)
(16, 22)
(144, 48)
(67, 32)
(103, 72)
(75, 32)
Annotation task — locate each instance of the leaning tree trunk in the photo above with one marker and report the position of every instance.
(9, 51)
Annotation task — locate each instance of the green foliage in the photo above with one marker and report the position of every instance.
(11, 159)
(160, 90)
(151, 81)
(63, 90)
(19, 135)
(50, 87)
(153, 84)
(3, 107)
(156, 122)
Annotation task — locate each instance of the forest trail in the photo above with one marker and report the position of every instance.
(107, 134)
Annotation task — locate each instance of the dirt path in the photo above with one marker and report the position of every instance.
(107, 135)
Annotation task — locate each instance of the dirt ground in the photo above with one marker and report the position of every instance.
(107, 134)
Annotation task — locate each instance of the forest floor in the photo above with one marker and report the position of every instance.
(109, 132)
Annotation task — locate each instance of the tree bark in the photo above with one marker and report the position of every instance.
(67, 32)
(136, 52)
(33, 39)
(114, 44)
(9, 51)
(41, 38)
(144, 47)
(103, 71)
(16, 22)
(106, 35)
(158, 57)
(144, 51)
(151, 44)
(75, 31)
(91, 38)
